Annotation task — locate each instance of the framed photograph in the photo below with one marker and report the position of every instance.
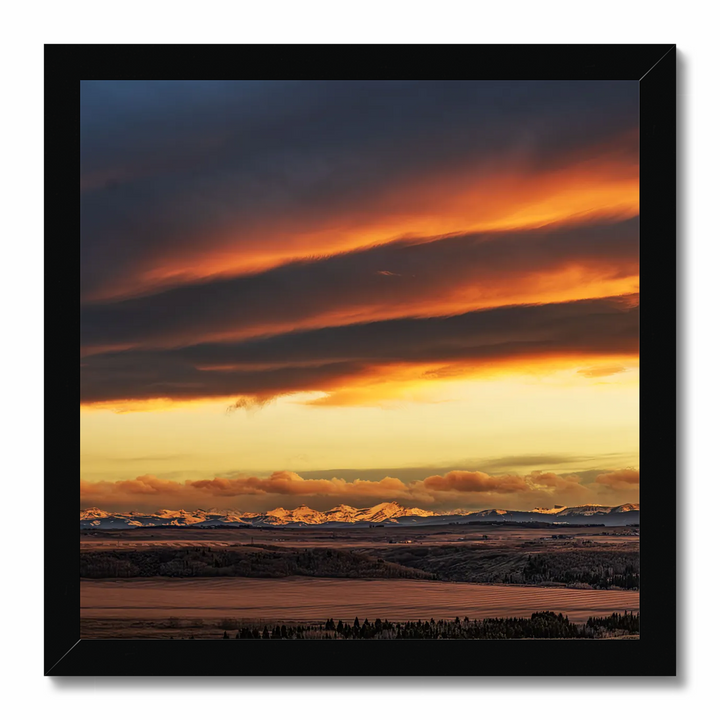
(360, 360)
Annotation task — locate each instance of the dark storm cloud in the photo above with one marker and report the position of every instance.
(376, 281)
(325, 358)
(166, 164)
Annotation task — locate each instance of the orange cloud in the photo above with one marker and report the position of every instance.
(467, 488)
(142, 485)
(628, 477)
(430, 277)
(504, 202)
(195, 181)
(417, 383)
(466, 481)
(601, 371)
(513, 196)
(346, 360)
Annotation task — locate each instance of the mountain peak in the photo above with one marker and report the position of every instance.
(386, 512)
(549, 511)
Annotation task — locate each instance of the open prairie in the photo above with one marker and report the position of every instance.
(487, 534)
(314, 599)
(152, 582)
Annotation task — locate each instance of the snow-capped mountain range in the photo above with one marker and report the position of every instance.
(390, 513)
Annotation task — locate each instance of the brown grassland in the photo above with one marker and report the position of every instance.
(184, 582)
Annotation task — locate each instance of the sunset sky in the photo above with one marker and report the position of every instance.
(354, 292)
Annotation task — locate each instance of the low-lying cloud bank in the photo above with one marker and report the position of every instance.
(455, 489)
(620, 479)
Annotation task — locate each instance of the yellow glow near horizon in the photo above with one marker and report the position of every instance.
(579, 411)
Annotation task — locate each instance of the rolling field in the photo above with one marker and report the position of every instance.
(311, 599)
(181, 582)
(488, 535)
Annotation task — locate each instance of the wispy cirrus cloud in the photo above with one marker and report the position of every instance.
(183, 180)
(432, 277)
(328, 358)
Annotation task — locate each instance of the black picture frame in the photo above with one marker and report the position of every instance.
(654, 69)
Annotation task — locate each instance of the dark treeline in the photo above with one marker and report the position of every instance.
(628, 622)
(600, 570)
(257, 561)
(596, 568)
(543, 625)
